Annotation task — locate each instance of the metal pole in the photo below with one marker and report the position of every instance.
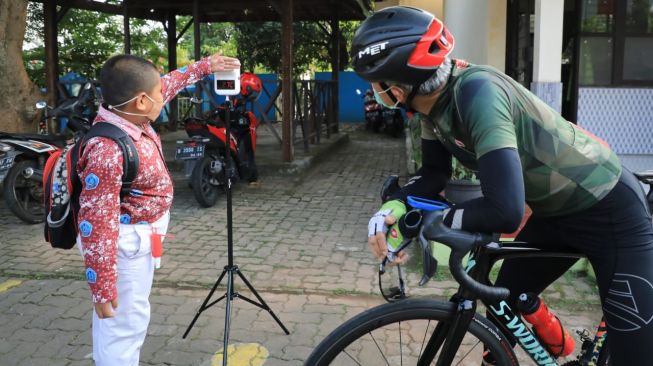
(125, 23)
(286, 82)
(172, 65)
(196, 47)
(335, 73)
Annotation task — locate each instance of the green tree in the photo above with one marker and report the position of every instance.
(259, 45)
(85, 40)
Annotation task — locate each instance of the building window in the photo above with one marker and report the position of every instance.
(595, 61)
(616, 43)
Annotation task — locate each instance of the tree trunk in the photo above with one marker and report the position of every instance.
(17, 93)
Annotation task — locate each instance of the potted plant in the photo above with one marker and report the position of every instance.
(463, 185)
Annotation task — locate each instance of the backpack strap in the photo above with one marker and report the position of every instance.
(130, 161)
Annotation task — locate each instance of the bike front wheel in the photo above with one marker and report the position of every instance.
(399, 334)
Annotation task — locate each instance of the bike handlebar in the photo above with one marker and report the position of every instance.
(461, 242)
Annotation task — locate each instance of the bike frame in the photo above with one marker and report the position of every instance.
(449, 336)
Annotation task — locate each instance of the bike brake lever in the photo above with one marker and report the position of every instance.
(429, 263)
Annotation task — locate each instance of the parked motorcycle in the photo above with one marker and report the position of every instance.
(7, 155)
(393, 122)
(22, 188)
(204, 153)
(373, 112)
(378, 117)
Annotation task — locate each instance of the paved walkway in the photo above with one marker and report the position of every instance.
(299, 238)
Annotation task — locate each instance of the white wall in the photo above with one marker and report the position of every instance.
(548, 40)
(479, 27)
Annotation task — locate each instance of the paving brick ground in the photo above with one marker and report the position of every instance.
(299, 238)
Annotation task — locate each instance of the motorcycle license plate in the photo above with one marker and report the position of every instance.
(190, 150)
(5, 165)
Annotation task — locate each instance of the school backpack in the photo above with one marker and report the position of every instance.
(62, 186)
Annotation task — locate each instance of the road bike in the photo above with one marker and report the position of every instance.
(411, 331)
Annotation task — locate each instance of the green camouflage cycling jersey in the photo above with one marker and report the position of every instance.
(565, 168)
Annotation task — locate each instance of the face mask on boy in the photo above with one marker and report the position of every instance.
(113, 108)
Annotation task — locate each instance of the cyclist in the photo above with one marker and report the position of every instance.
(582, 198)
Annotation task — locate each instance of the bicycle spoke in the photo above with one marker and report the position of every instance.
(379, 348)
(468, 352)
(426, 332)
(401, 347)
(352, 358)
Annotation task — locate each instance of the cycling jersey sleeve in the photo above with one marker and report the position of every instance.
(486, 112)
(502, 206)
(432, 177)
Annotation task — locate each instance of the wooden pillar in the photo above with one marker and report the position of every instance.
(125, 25)
(51, 50)
(173, 112)
(286, 81)
(197, 49)
(335, 70)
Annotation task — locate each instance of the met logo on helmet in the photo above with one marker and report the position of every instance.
(372, 50)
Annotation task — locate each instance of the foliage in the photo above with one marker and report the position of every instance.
(86, 39)
(214, 37)
(259, 45)
(459, 171)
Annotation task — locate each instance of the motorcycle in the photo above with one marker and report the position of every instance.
(393, 122)
(204, 153)
(373, 111)
(7, 155)
(22, 186)
(378, 117)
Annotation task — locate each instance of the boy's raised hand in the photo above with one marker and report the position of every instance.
(105, 309)
(222, 63)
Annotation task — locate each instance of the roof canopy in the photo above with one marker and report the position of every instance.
(227, 11)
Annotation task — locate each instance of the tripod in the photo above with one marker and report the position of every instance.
(230, 269)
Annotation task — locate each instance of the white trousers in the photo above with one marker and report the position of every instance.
(117, 341)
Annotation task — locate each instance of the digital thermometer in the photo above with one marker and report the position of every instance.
(227, 82)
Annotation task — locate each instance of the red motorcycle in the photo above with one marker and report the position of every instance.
(204, 153)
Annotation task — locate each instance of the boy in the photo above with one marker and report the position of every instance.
(114, 233)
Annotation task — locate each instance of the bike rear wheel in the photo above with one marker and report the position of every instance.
(397, 334)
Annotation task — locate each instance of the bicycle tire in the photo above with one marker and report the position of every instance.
(333, 349)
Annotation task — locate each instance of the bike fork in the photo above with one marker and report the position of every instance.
(451, 334)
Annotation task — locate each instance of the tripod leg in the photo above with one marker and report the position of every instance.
(227, 315)
(264, 305)
(204, 307)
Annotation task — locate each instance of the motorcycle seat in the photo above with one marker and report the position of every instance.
(33, 136)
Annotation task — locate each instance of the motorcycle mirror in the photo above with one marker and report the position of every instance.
(41, 104)
(196, 100)
(87, 86)
(358, 91)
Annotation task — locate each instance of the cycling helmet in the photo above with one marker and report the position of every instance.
(400, 44)
(250, 85)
